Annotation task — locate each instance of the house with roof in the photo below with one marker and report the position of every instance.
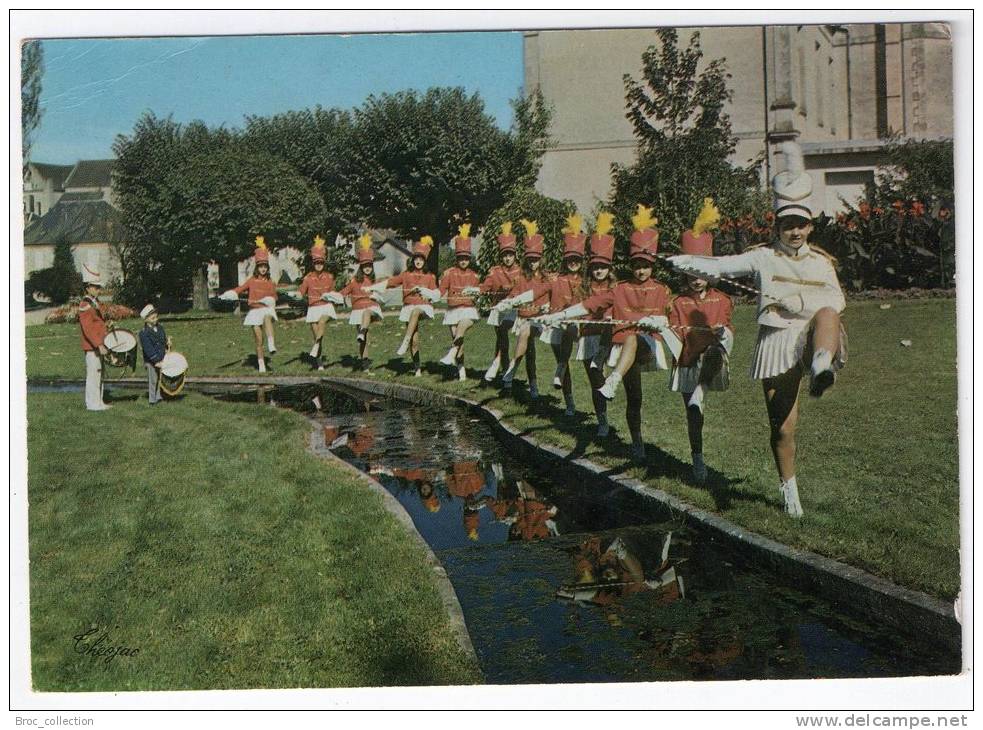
(78, 209)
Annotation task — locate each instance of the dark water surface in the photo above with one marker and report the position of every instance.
(567, 580)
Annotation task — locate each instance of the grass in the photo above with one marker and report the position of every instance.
(225, 565)
(878, 455)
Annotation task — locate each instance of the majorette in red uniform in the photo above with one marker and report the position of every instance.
(318, 287)
(419, 288)
(465, 481)
(497, 284)
(364, 301)
(261, 296)
(701, 320)
(92, 324)
(635, 347)
(529, 298)
(459, 286)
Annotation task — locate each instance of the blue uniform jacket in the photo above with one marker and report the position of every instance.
(153, 343)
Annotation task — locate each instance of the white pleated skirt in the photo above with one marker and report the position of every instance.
(495, 318)
(778, 350)
(355, 318)
(685, 379)
(460, 314)
(254, 317)
(426, 310)
(317, 312)
(657, 361)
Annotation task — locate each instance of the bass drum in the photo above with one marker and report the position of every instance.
(173, 368)
(121, 345)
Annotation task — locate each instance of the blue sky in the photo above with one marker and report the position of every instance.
(95, 89)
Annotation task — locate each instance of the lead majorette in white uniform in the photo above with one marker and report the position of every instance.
(798, 312)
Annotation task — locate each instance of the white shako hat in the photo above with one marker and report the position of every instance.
(90, 276)
(147, 311)
(793, 186)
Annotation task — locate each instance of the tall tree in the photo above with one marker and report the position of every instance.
(678, 114)
(31, 71)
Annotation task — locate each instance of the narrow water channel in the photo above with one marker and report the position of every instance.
(566, 580)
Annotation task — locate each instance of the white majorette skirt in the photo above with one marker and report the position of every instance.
(316, 312)
(426, 310)
(522, 324)
(495, 318)
(255, 316)
(685, 379)
(656, 361)
(355, 318)
(460, 314)
(778, 350)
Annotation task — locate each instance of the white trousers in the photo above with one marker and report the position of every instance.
(93, 381)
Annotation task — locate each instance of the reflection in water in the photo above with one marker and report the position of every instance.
(564, 580)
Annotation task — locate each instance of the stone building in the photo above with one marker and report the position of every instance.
(839, 90)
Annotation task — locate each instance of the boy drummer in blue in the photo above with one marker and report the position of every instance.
(155, 343)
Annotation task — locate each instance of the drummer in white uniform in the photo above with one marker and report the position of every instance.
(798, 312)
(155, 343)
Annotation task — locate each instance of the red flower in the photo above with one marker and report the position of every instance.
(864, 211)
(898, 206)
(917, 209)
(878, 211)
(770, 217)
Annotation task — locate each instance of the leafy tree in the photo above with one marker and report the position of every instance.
(685, 139)
(60, 282)
(917, 170)
(550, 215)
(424, 163)
(31, 71)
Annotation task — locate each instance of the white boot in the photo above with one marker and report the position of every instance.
(823, 375)
(509, 374)
(610, 387)
(571, 406)
(790, 492)
(316, 350)
(271, 345)
(699, 469)
(492, 370)
(403, 346)
(462, 374)
(451, 357)
(262, 365)
(561, 370)
(696, 399)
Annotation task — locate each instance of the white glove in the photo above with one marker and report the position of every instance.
(525, 298)
(551, 319)
(431, 295)
(229, 296)
(653, 322)
(503, 306)
(377, 297)
(471, 291)
(333, 297)
(793, 303)
(268, 301)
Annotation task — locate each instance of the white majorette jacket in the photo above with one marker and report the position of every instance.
(793, 284)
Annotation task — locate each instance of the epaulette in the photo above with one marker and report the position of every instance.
(828, 255)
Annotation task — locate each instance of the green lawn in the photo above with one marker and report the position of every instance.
(878, 456)
(224, 565)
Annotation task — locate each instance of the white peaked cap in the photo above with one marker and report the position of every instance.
(793, 186)
(147, 311)
(90, 276)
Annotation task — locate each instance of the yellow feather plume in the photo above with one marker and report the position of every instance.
(464, 230)
(643, 218)
(260, 242)
(708, 218)
(365, 241)
(604, 224)
(575, 224)
(427, 241)
(507, 228)
(531, 227)
(318, 242)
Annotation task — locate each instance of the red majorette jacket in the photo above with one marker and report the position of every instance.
(257, 289)
(93, 324)
(500, 281)
(630, 300)
(692, 317)
(410, 279)
(540, 285)
(355, 290)
(454, 282)
(314, 285)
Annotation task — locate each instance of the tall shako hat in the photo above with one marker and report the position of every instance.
(533, 244)
(506, 239)
(644, 239)
(462, 241)
(573, 237)
(91, 277)
(262, 254)
(317, 250)
(602, 242)
(698, 241)
(423, 246)
(365, 255)
(793, 186)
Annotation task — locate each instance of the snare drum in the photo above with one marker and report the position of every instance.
(173, 368)
(121, 345)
